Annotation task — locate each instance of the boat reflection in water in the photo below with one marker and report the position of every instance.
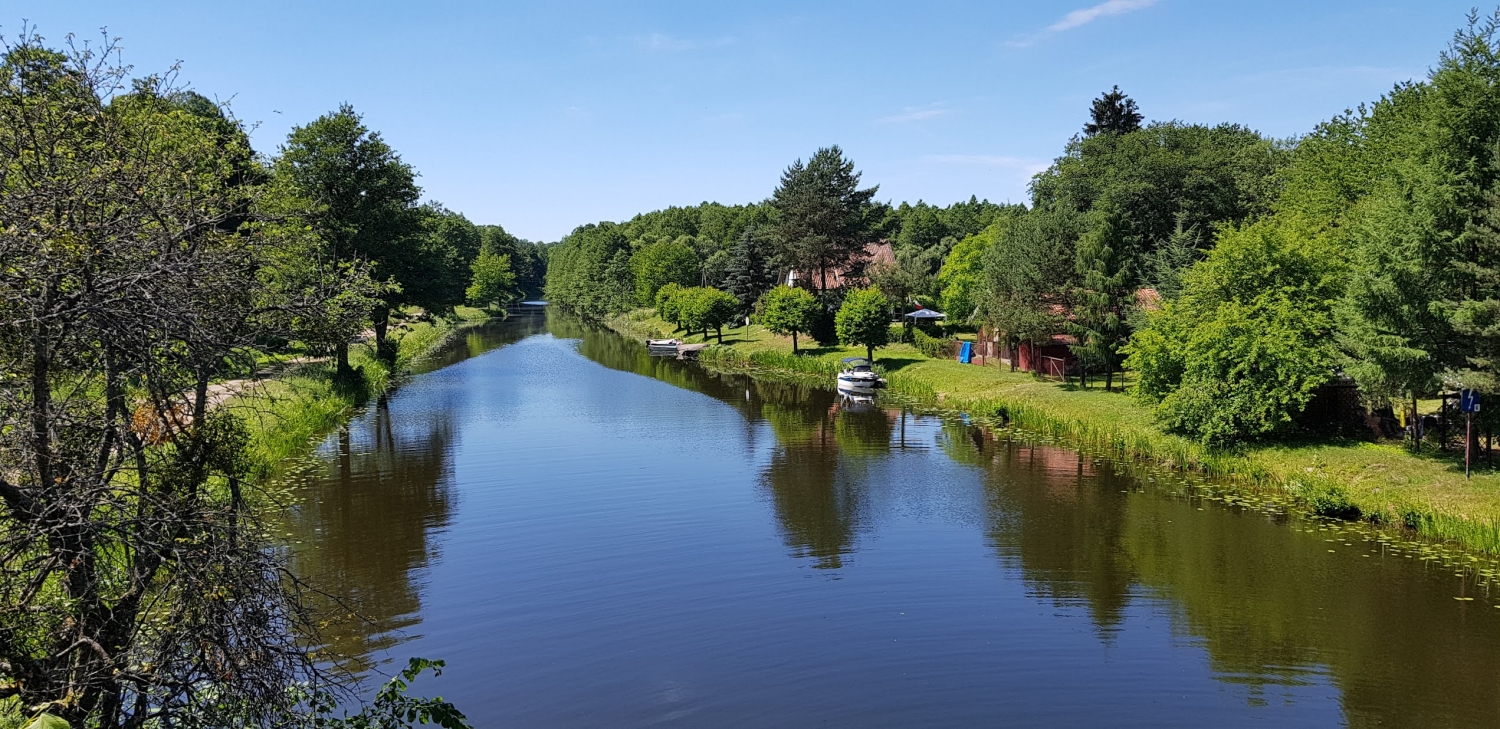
(590, 535)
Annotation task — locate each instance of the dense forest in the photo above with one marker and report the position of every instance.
(1232, 274)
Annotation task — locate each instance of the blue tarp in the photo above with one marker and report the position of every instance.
(966, 352)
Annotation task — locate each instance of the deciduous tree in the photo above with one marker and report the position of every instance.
(356, 194)
(658, 264)
(492, 282)
(864, 320)
(137, 589)
(787, 311)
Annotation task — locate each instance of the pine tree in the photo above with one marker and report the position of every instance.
(1103, 301)
(749, 272)
(1113, 113)
(1473, 308)
(823, 220)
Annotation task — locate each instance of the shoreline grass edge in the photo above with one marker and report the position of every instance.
(1301, 477)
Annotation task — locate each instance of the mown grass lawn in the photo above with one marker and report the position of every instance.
(1386, 481)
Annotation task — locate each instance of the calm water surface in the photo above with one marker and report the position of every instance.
(591, 537)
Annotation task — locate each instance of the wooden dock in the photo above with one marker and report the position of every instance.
(689, 351)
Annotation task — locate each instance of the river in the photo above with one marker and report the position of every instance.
(592, 537)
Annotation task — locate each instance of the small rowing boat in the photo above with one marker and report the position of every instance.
(662, 347)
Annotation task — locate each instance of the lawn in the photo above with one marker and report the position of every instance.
(1386, 481)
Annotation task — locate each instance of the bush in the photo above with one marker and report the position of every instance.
(1326, 498)
(1243, 350)
(944, 348)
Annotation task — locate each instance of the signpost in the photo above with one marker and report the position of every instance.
(1468, 402)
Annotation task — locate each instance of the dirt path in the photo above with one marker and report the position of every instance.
(219, 392)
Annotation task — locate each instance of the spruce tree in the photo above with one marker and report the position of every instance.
(1473, 307)
(1113, 113)
(749, 272)
(1103, 301)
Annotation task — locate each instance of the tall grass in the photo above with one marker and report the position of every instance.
(727, 357)
(288, 415)
(1382, 485)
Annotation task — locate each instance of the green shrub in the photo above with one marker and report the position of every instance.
(944, 348)
(1325, 498)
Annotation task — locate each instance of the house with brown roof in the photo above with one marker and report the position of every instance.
(1052, 357)
(839, 277)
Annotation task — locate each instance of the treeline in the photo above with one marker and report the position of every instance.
(817, 221)
(1235, 275)
(1378, 258)
(147, 250)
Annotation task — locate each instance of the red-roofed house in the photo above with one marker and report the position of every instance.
(836, 278)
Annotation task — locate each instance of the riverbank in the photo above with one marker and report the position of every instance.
(288, 412)
(1381, 483)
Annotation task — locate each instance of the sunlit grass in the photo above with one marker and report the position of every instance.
(288, 414)
(1386, 483)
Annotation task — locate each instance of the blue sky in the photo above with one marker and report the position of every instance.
(543, 116)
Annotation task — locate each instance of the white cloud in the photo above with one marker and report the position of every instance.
(1082, 17)
(910, 114)
(1088, 15)
(661, 42)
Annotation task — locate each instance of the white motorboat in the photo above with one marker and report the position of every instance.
(662, 347)
(858, 376)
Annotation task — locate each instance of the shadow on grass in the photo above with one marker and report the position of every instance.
(893, 364)
(1452, 459)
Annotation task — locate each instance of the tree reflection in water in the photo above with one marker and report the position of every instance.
(387, 487)
(1270, 608)
(1269, 604)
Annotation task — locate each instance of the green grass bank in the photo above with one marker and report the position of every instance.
(1384, 483)
(287, 413)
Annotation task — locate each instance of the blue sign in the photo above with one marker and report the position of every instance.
(1468, 401)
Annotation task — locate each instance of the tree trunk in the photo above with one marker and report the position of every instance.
(870, 353)
(1109, 379)
(341, 358)
(383, 348)
(794, 342)
(719, 331)
(1416, 429)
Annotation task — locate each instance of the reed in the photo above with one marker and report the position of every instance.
(1378, 484)
(288, 415)
(728, 357)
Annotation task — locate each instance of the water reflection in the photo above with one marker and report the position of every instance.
(352, 551)
(1058, 517)
(1262, 620)
(817, 506)
(363, 528)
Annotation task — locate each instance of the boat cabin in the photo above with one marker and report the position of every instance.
(856, 364)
